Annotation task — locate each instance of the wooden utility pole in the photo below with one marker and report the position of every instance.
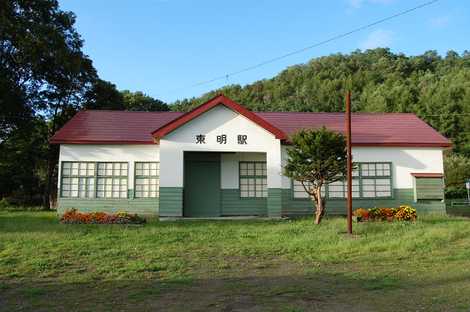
(349, 178)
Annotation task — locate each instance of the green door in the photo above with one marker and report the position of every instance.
(201, 185)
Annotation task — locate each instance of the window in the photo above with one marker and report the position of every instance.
(253, 179)
(376, 180)
(111, 180)
(299, 191)
(146, 179)
(91, 179)
(339, 189)
(370, 180)
(78, 179)
(375, 169)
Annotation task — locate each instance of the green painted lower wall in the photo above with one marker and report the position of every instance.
(233, 205)
(171, 202)
(280, 202)
(291, 206)
(144, 207)
(274, 202)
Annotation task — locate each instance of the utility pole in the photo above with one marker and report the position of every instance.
(349, 175)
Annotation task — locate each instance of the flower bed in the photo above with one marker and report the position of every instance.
(402, 213)
(74, 217)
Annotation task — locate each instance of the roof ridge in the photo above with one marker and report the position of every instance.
(256, 112)
(357, 113)
(125, 111)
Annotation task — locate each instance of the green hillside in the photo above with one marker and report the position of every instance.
(436, 88)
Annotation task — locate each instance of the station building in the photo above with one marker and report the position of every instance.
(221, 159)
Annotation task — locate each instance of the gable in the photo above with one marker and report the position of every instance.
(221, 127)
(218, 101)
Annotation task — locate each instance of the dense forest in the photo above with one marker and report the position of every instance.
(45, 78)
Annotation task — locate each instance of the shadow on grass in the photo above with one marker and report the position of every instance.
(298, 292)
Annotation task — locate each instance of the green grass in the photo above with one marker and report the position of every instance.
(230, 265)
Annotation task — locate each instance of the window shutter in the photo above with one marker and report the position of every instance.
(429, 188)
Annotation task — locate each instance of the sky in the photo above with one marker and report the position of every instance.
(164, 47)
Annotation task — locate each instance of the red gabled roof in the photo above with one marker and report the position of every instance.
(368, 129)
(218, 100)
(377, 129)
(112, 127)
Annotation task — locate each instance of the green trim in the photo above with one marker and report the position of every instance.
(274, 203)
(71, 176)
(233, 205)
(171, 202)
(146, 207)
(338, 207)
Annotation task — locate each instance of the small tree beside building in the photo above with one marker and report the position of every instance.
(316, 158)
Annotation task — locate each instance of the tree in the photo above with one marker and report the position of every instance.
(316, 158)
(139, 101)
(457, 171)
(22, 165)
(44, 72)
(104, 95)
(436, 88)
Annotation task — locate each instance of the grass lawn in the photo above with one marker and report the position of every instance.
(233, 265)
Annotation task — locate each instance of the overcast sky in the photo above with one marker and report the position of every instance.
(163, 47)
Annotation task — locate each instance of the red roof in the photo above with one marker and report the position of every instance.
(112, 127)
(368, 129)
(384, 129)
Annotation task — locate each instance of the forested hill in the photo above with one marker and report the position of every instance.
(436, 88)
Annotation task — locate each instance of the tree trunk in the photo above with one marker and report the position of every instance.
(51, 189)
(320, 207)
(50, 198)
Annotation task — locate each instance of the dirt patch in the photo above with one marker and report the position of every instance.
(278, 285)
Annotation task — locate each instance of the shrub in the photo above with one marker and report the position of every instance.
(381, 213)
(402, 213)
(361, 214)
(75, 217)
(374, 213)
(406, 213)
(387, 213)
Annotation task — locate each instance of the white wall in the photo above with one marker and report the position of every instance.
(286, 184)
(219, 120)
(404, 161)
(124, 153)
